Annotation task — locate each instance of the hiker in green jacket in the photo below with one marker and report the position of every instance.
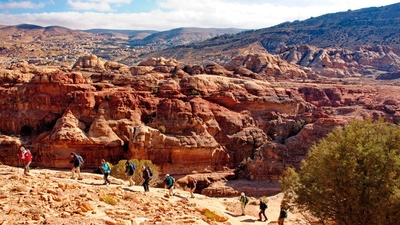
(244, 200)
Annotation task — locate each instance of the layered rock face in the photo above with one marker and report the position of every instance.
(186, 119)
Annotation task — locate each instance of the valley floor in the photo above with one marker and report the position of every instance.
(52, 197)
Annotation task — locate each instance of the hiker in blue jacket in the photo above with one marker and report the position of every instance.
(106, 171)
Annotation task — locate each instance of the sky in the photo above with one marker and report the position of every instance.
(164, 15)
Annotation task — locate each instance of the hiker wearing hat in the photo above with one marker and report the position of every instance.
(244, 200)
(26, 157)
(169, 183)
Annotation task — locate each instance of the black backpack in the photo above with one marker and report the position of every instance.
(150, 172)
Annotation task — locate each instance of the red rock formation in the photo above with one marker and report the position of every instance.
(183, 123)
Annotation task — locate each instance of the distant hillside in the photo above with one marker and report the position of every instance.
(369, 26)
(131, 34)
(182, 36)
(26, 33)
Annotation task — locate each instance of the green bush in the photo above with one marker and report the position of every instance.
(118, 171)
(194, 92)
(351, 177)
(108, 199)
(107, 97)
(154, 90)
(162, 129)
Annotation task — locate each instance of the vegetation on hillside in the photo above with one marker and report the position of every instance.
(351, 177)
(118, 171)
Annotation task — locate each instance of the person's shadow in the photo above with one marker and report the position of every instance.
(130, 190)
(232, 214)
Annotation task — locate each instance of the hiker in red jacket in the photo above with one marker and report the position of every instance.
(26, 157)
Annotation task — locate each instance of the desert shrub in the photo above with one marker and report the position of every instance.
(108, 199)
(154, 90)
(118, 171)
(107, 97)
(297, 126)
(194, 92)
(210, 215)
(351, 177)
(162, 129)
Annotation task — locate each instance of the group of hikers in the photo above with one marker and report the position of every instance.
(169, 181)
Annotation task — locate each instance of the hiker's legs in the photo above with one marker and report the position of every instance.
(78, 171)
(73, 172)
(131, 182)
(26, 167)
(191, 192)
(280, 221)
(106, 178)
(243, 212)
(146, 184)
(171, 190)
(262, 212)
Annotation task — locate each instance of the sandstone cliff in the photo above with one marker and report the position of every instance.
(186, 119)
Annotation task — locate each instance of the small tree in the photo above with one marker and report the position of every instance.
(351, 177)
(118, 171)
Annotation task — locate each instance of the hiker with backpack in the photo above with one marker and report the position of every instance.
(263, 207)
(244, 200)
(282, 216)
(26, 156)
(130, 171)
(146, 174)
(191, 185)
(106, 170)
(169, 184)
(76, 162)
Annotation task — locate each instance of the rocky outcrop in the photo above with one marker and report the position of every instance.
(267, 65)
(184, 123)
(340, 63)
(89, 62)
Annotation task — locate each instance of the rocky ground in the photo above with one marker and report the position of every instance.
(52, 197)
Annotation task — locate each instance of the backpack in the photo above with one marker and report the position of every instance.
(246, 200)
(80, 159)
(133, 167)
(150, 172)
(263, 205)
(109, 165)
(284, 213)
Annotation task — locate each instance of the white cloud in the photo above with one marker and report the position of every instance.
(96, 5)
(21, 5)
(189, 13)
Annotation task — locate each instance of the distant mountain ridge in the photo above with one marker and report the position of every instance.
(368, 26)
(183, 35)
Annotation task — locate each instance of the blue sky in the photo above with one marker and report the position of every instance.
(168, 14)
